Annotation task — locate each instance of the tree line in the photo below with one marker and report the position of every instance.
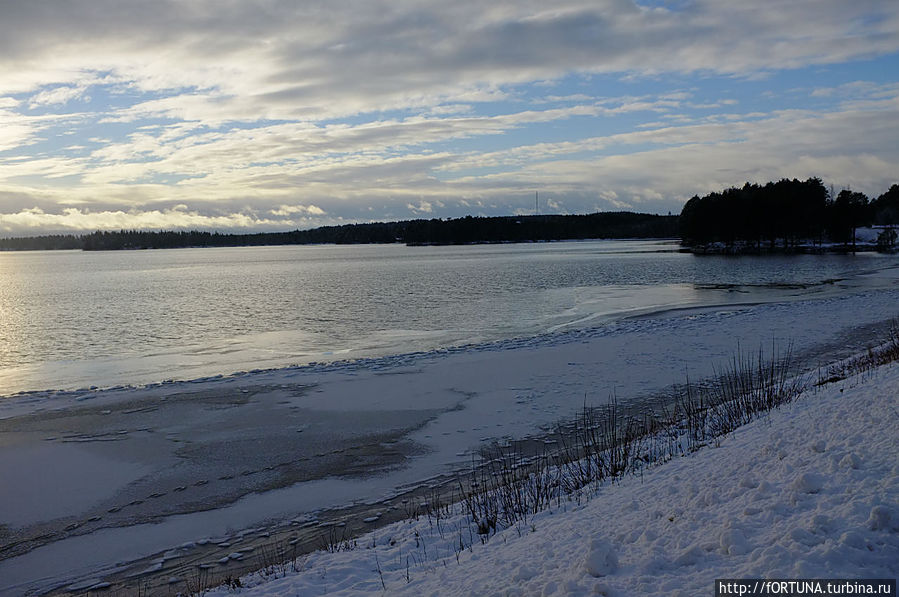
(782, 215)
(54, 242)
(412, 232)
(785, 214)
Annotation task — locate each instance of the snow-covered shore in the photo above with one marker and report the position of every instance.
(811, 490)
(111, 484)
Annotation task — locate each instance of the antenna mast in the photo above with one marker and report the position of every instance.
(537, 203)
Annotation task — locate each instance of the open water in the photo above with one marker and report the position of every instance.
(76, 319)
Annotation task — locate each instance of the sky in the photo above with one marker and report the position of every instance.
(275, 115)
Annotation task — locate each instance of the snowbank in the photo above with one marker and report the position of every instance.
(810, 490)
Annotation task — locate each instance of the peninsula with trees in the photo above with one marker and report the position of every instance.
(786, 216)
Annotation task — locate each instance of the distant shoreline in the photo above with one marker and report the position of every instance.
(459, 231)
(828, 249)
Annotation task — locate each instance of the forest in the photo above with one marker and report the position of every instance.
(785, 215)
(411, 232)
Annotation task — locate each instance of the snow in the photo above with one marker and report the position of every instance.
(809, 491)
(138, 471)
(601, 559)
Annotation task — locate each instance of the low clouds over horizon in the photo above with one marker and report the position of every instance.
(274, 115)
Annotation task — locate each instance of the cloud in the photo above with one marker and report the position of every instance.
(423, 207)
(651, 169)
(289, 210)
(858, 91)
(299, 60)
(274, 113)
(57, 95)
(75, 220)
(447, 109)
(660, 168)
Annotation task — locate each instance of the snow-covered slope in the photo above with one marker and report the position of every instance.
(810, 490)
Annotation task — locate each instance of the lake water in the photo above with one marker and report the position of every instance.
(79, 319)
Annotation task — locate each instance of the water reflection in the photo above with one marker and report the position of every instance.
(71, 319)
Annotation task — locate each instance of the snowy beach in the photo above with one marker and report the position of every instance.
(142, 485)
(809, 491)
